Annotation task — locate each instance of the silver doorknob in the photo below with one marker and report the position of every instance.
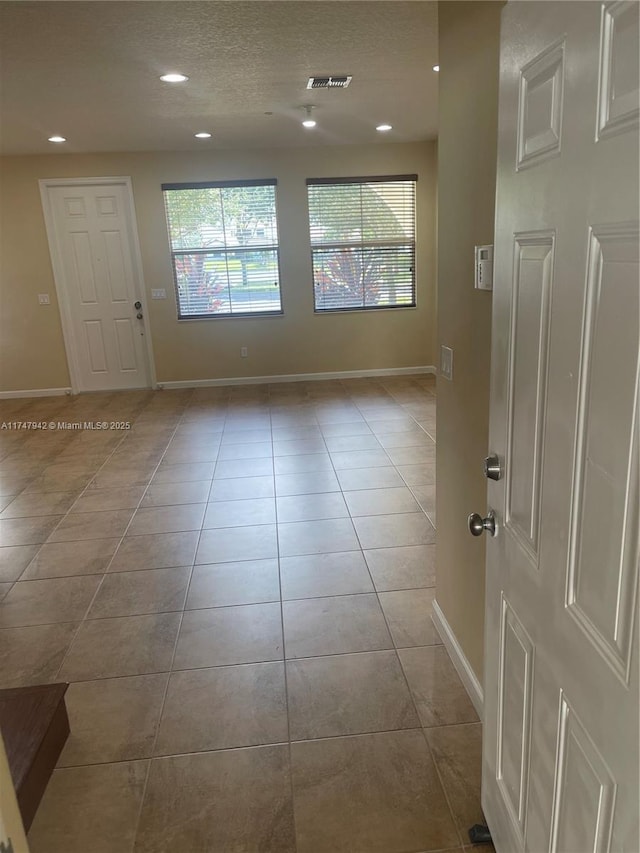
(492, 467)
(139, 315)
(478, 524)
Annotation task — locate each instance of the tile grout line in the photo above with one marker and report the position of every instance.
(443, 786)
(104, 574)
(169, 675)
(258, 663)
(257, 745)
(216, 606)
(284, 651)
(149, 760)
(413, 701)
(428, 745)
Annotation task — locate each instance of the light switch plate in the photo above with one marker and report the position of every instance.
(43, 299)
(159, 293)
(446, 362)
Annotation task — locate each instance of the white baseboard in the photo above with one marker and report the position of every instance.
(296, 377)
(34, 392)
(459, 659)
(243, 380)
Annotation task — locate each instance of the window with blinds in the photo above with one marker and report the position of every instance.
(224, 247)
(363, 242)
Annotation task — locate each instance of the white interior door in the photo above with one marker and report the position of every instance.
(93, 249)
(560, 763)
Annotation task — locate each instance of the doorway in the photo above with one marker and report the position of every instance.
(93, 242)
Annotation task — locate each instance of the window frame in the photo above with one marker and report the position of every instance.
(361, 180)
(230, 183)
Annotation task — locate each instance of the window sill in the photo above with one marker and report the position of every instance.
(253, 315)
(321, 311)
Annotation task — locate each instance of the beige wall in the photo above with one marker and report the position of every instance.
(33, 356)
(468, 54)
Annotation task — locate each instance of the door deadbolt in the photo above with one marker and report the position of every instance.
(492, 467)
(137, 305)
(478, 524)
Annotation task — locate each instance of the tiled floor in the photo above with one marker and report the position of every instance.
(239, 590)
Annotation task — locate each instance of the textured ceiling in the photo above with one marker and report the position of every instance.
(89, 71)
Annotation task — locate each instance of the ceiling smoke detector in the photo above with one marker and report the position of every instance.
(329, 81)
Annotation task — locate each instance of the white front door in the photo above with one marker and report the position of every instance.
(561, 759)
(93, 249)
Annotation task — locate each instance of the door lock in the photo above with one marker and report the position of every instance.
(492, 467)
(137, 305)
(478, 524)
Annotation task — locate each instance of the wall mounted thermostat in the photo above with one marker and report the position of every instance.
(484, 268)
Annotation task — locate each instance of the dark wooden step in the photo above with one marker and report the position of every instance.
(35, 727)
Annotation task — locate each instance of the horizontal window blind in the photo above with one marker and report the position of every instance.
(224, 247)
(363, 242)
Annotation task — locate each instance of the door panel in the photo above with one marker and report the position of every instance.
(584, 795)
(528, 369)
(561, 754)
(74, 206)
(125, 339)
(95, 346)
(514, 714)
(83, 271)
(540, 106)
(605, 486)
(106, 205)
(117, 276)
(619, 89)
(94, 242)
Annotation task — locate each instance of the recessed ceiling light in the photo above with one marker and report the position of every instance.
(436, 68)
(202, 135)
(384, 127)
(57, 139)
(174, 78)
(308, 121)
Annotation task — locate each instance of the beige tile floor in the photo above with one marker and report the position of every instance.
(238, 589)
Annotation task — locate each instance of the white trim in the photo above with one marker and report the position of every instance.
(142, 290)
(459, 659)
(241, 380)
(296, 377)
(35, 392)
(56, 264)
(69, 182)
(58, 275)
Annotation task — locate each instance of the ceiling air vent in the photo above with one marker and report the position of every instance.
(333, 81)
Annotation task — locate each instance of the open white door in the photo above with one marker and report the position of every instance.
(561, 760)
(95, 256)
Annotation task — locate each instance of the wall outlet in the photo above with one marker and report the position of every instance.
(158, 293)
(446, 362)
(243, 352)
(43, 298)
